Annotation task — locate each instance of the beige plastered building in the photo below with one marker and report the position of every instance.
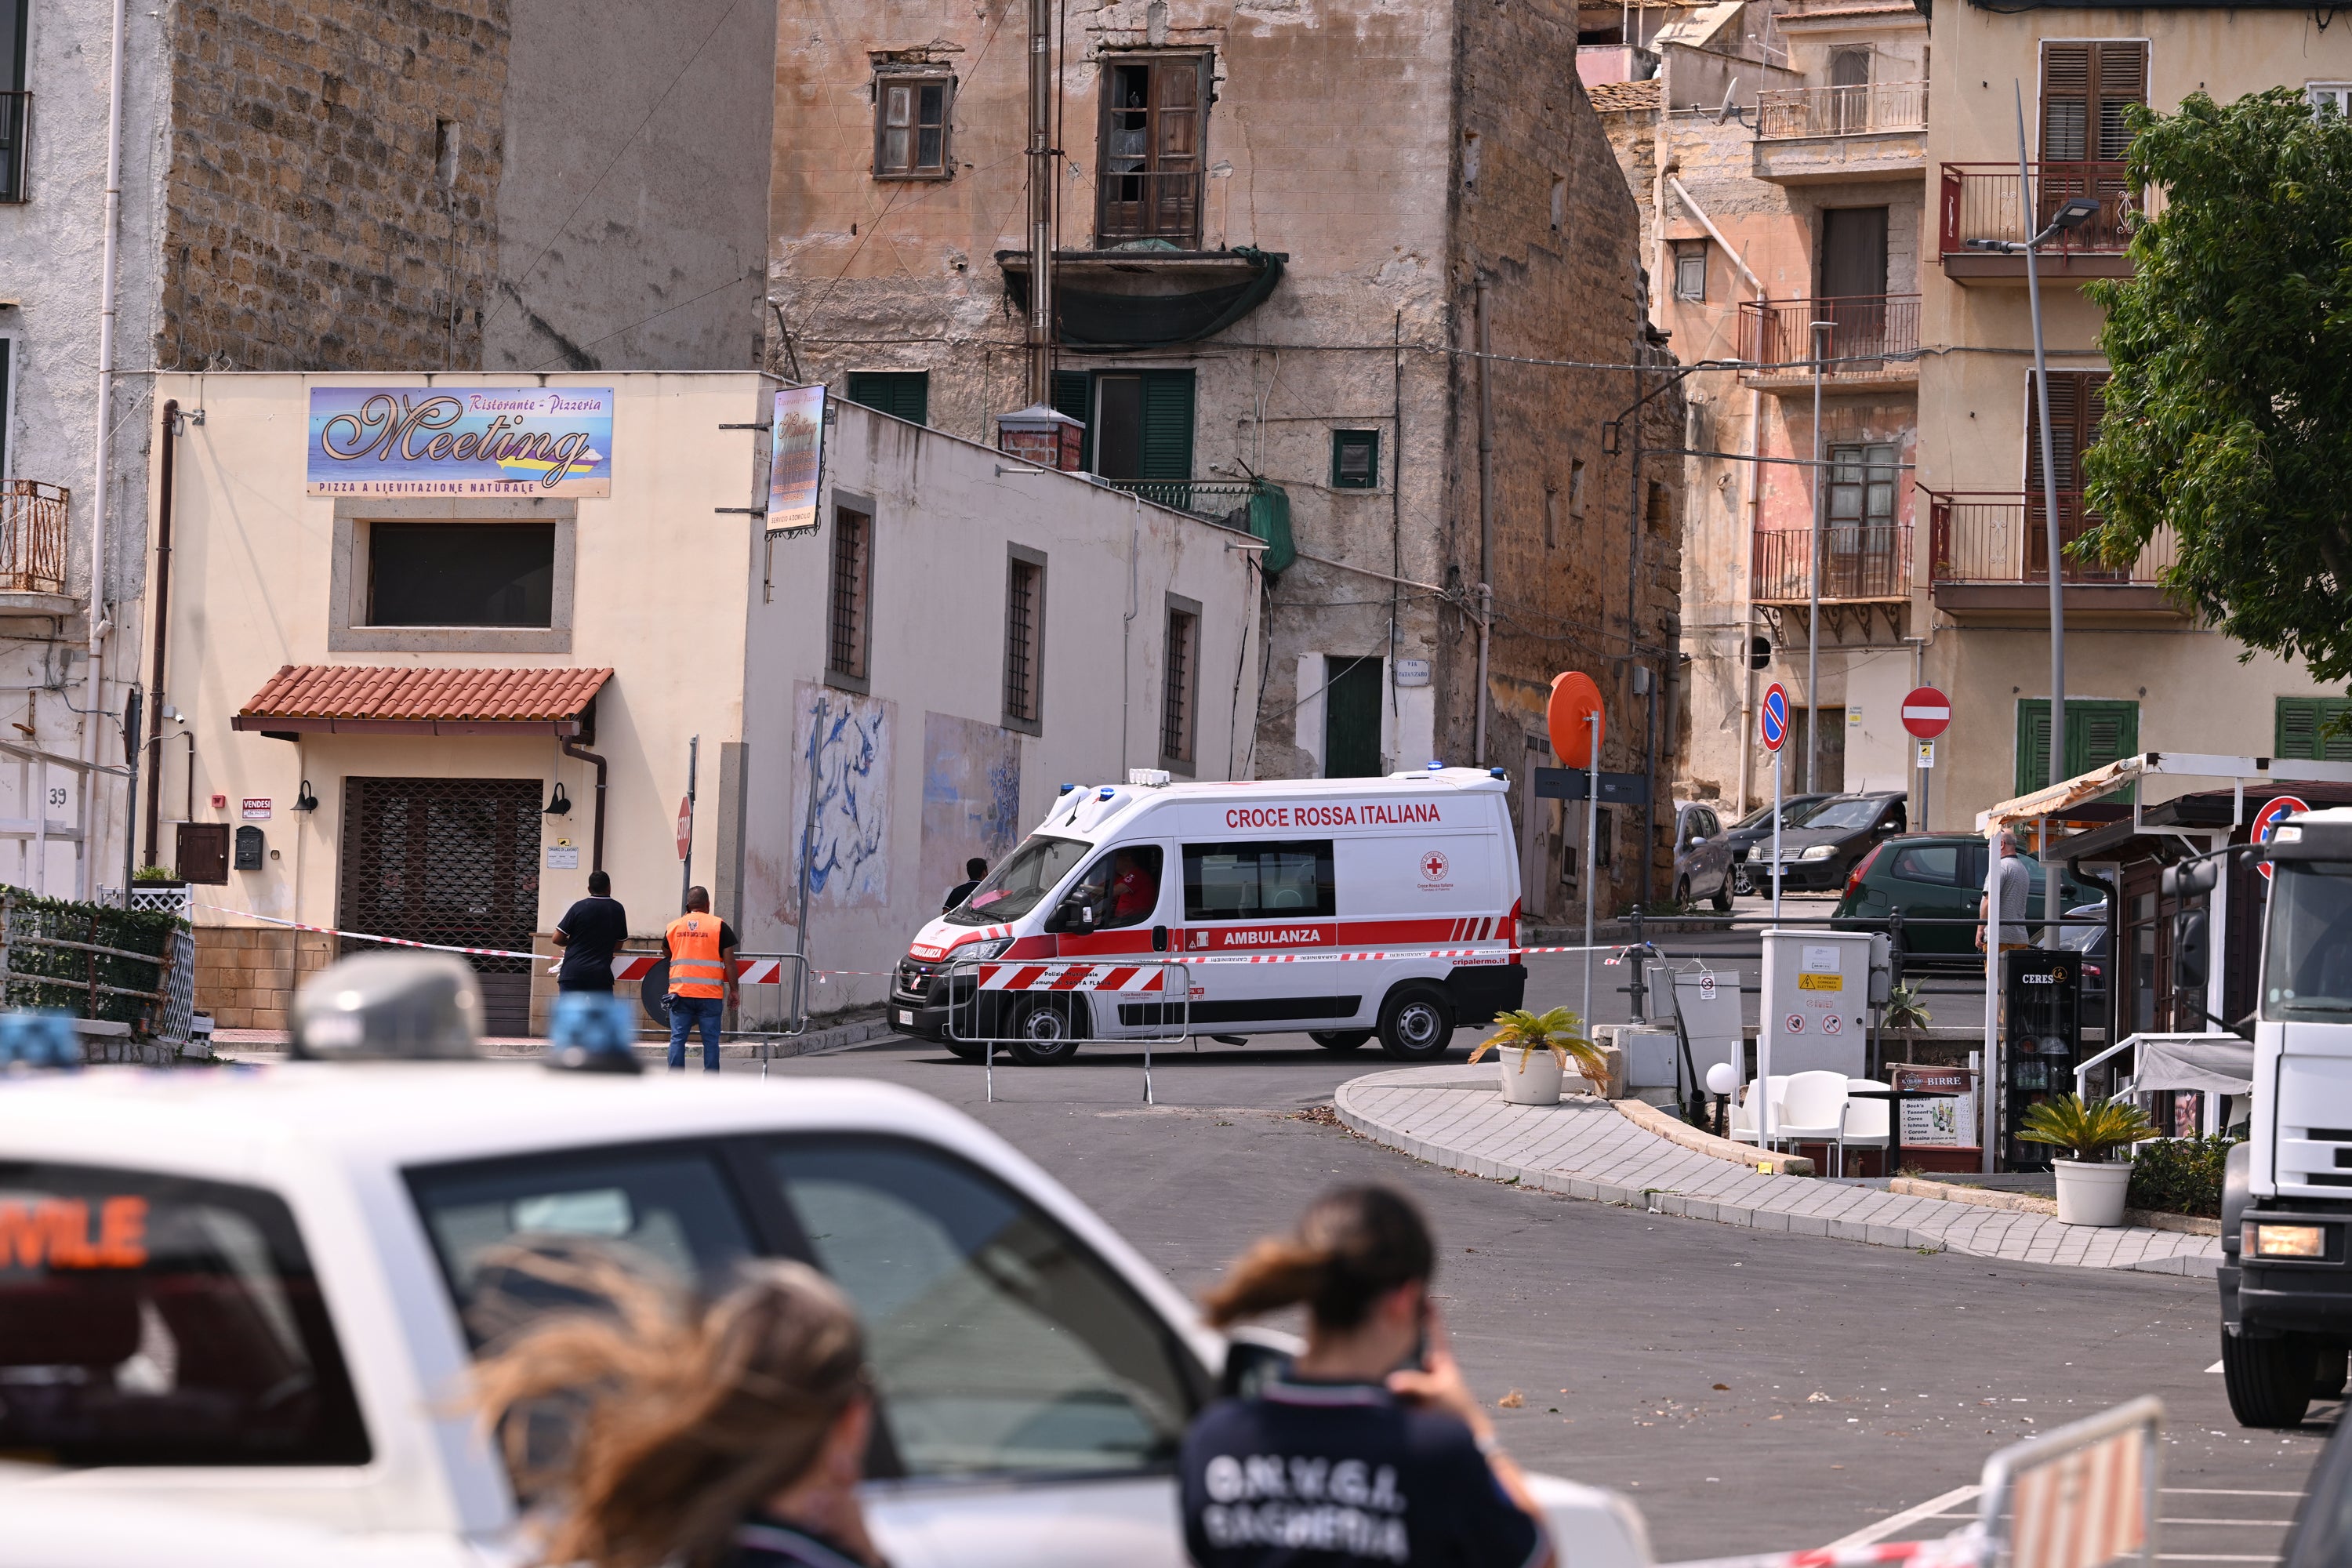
(849, 685)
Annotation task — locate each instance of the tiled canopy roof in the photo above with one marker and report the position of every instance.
(364, 693)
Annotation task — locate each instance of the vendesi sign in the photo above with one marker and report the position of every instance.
(460, 441)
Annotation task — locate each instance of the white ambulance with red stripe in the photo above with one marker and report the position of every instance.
(1350, 908)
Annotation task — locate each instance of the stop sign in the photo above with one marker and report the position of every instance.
(1927, 713)
(685, 825)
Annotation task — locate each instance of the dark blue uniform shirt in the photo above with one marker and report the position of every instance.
(1322, 1475)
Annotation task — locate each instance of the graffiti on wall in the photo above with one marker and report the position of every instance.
(848, 829)
(972, 796)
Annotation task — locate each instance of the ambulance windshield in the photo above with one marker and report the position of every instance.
(1017, 886)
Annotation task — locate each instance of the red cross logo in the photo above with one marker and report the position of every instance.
(1432, 865)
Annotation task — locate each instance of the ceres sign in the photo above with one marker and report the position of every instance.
(461, 441)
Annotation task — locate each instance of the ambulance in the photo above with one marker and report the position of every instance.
(1350, 908)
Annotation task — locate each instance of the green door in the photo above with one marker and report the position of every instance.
(1351, 718)
(2097, 732)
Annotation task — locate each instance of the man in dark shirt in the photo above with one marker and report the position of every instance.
(973, 870)
(588, 932)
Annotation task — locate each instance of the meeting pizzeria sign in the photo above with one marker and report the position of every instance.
(460, 441)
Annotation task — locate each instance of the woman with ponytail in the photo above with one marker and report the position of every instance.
(726, 1435)
(1369, 1449)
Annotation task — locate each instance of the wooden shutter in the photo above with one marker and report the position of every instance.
(2086, 87)
(2097, 732)
(1073, 394)
(1167, 424)
(2302, 730)
(905, 394)
(2078, 403)
(2032, 744)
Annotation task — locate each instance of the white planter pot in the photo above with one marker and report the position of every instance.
(1536, 1084)
(2091, 1192)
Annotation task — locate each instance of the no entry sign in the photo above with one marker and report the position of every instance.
(1772, 718)
(2275, 810)
(1927, 713)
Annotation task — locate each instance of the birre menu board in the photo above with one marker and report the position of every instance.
(1946, 1121)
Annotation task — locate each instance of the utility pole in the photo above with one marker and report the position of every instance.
(1041, 201)
(1813, 625)
(2054, 898)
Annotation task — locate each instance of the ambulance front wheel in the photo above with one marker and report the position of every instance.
(1416, 1022)
(1340, 1040)
(1046, 1030)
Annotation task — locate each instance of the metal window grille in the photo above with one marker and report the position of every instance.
(853, 569)
(454, 861)
(1022, 610)
(1176, 699)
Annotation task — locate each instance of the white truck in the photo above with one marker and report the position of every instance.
(2286, 1203)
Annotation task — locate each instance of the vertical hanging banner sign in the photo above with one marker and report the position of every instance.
(460, 441)
(796, 460)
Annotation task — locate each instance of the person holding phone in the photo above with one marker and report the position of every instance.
(1369, 1449)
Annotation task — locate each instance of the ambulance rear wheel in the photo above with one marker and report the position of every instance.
(1045, 1032)
(1416, 1022)
(1340, 1040)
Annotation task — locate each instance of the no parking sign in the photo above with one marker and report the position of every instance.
(2277, 809)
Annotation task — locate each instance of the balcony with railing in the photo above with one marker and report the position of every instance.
(1823, 135)
(1253, 506)
(16, 124)
(32, 538)
(1871, 340)
(1865, 573)
(1989, 552)
(1988, 201)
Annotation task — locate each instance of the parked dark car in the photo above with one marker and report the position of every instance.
(1936, 876)
(1827, 842)
(1702, 859)
(1755, 828)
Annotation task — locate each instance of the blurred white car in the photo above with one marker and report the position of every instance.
(238, 1307)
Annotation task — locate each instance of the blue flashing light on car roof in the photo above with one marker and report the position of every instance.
(1497, 773)
(1435, 763)
(593, 1031)
(1066, 789)
(1107, 793)
(42, 1040)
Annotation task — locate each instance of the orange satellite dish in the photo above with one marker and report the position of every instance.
(1574, 698)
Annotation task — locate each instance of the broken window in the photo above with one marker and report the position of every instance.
(910, 126)
(1152, 138)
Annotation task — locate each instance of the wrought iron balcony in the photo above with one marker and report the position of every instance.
(1990, 549)
(1253, 506)
(15, 123)
(1872, 338)
(1785, 113)
(1861, 563)
(1988, 201)
(32, 537)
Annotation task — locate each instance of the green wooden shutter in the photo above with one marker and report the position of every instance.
(2097, 732)
(904, 393)
(1167, 424)
(2032, 744)
(2303, 729)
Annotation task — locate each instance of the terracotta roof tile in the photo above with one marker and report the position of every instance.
(1625, 95)
(381, 692)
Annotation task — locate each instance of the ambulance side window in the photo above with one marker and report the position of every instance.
(1122, 888)
(1269, 880)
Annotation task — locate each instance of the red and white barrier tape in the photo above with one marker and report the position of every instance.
(1120, 977)
(367, 936)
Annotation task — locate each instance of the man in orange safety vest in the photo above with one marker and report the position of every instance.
(701, 950)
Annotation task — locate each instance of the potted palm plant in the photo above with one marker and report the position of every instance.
(1545, 1041)
(2091, 1186)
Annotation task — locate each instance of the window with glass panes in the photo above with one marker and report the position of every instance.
(910, 126)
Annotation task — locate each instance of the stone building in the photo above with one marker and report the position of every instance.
(1777, 151)
(428, 184)
(1281, 234)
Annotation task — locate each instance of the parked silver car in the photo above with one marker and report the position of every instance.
(1702, 857)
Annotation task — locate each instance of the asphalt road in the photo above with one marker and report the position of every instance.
(1754, 1393)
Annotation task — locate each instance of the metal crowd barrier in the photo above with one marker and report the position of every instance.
(650, 971)
(996, 1002)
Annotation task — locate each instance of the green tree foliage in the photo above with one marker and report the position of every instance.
(2229, 417)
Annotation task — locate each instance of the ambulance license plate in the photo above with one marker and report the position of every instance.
(907, 1019)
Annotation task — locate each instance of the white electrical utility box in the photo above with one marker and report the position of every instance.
(1816, 1008)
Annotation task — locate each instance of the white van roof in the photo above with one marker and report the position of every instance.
(1089, 811)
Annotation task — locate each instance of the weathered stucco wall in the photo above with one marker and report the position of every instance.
(632, 199)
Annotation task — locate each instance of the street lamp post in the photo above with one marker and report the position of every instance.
(2072, 214)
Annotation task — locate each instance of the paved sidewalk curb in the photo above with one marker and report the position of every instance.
(1650, 1118)
(1452, 1116)
(2033, 1203)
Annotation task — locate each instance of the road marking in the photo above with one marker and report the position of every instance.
(2192, 1557)
(1933, 1508)
(2219, 1491)
(2280, 1523)
(2215, 1367)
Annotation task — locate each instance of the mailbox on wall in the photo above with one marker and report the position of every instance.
(248, 848)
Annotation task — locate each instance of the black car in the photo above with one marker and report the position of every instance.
(1825, 844)
(1755, 828)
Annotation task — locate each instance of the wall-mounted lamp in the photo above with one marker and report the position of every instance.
(559, 804)
(304, 800)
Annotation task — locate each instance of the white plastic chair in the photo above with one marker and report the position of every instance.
(1869, 1123)
(1743, 1108)
(1814, 1112)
